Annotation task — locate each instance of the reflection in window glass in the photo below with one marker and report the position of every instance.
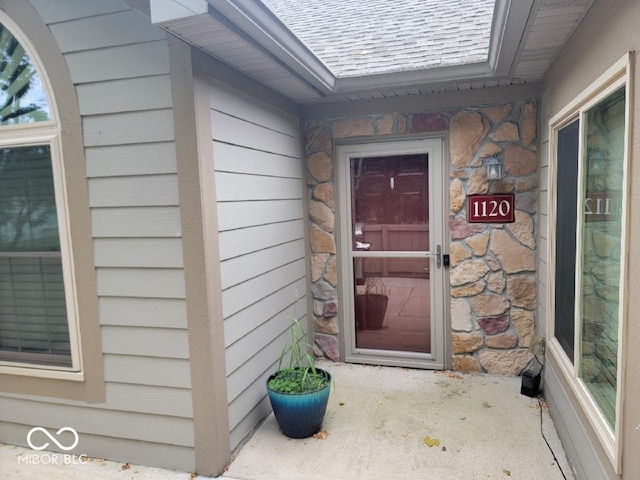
(28, 220)
(601, 239)
(390, 201)
(22, 98)
(33, 315)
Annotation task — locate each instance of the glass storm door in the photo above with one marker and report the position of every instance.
(391, 241)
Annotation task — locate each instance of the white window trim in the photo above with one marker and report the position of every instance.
(614, 78)
(40, 133)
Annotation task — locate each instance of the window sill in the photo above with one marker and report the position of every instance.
(41, 372)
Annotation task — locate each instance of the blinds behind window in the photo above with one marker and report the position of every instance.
(33, 317)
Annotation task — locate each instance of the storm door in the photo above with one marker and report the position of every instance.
(392, 213)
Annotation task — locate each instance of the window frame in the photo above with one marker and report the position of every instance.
(30, 135)
(47, 132)
(616, 77)
(88, 382)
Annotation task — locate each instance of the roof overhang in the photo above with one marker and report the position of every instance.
(248, 36)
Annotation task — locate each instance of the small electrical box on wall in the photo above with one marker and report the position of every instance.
(530, 382)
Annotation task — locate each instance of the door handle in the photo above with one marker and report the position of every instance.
(437, 254)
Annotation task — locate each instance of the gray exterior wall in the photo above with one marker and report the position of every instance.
(607, 33)
(256, 153)
(119, 64)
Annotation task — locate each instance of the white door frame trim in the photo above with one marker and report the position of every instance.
(439, 303)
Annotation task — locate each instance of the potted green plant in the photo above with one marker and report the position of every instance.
(298, 390)
(371, 306)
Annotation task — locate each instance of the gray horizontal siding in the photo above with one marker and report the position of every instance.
(241, 296)
(145, 341)
(235, 187)
(108, 423)
(133, 191)
(256, 152)
(135, 451)
(138, 252)
(576, 441)
(250, 317)
(129, 127)
(234, 243)
(174, 402)
(241, 269)
(246, 409)
(63, 10)
(236, 215)
(135, 398)
(119, 65)
(129, 61)
(125, 160)
(107, 30)
(543, 234)
(147, 283)
(138, 370)
(255, 162)
(143, 312)
(126, 95)
(236, 131)
(136, 222)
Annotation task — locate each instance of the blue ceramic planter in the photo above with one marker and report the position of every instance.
(300, 415)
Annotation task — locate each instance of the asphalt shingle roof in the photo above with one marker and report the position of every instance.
(366, 37)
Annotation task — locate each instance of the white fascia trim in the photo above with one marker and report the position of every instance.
(258, 22)
(509, 24)
(415, 78)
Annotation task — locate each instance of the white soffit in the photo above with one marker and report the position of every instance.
(525, 38)
(549, 28)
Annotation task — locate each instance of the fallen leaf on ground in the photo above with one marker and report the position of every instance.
(507, 472)
(321, 435)
(486, 404)
(431, 442)
(544, 405)
(126, 466)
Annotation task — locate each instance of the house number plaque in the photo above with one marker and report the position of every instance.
(495, 208)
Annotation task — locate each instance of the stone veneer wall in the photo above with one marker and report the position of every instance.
(493, 266)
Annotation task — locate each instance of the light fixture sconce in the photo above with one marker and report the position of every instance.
(494, 168)
(596, 163)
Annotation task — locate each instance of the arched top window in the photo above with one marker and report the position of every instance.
(22, 96)
(38, 324)
(49, 330)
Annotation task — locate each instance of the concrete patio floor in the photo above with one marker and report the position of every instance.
(382, 423)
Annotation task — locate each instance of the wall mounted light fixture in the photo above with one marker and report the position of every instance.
(596, 162)
(494, 168)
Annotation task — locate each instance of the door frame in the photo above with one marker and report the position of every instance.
(438, 215)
